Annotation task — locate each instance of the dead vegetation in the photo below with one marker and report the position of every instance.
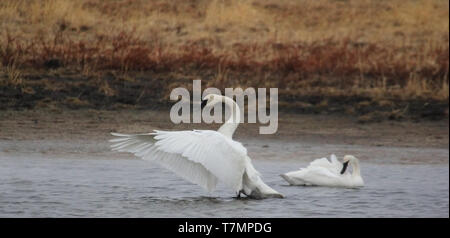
(313, 51)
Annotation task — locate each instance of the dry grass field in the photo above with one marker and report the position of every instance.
(373, 59)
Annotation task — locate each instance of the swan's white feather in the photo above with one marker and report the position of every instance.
(334, 166)
(201, 156)
(324, 172)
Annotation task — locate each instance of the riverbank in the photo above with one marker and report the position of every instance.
(373, 61)
(65, 89)
(75, 133)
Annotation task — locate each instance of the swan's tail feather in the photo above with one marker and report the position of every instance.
(254, 187)
(293, 179)
(285, 177)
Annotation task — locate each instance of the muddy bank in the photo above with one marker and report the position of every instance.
(96, 125)
(74, 133)
(65, 89)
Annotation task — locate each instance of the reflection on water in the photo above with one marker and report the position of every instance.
(40, 187)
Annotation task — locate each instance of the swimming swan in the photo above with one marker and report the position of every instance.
(322, 172)
(202, 157)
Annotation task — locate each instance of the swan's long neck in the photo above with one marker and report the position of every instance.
(356, 169)
(232, 122)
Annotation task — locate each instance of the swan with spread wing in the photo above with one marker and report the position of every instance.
(203, 157)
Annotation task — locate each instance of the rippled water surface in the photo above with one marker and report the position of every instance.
(36, 186)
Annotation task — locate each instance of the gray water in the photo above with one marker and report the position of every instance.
(37, 186)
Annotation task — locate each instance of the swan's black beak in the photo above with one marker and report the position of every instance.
(344, 168)
(204, 102)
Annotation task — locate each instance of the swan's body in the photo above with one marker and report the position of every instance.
(322, 172)
(203, 157)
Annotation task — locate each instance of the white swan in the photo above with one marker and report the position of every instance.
(202, 157)
(322, 172)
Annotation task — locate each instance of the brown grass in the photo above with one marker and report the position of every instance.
(379, 49)
(12, 75)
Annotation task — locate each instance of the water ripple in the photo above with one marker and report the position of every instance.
(40, 187)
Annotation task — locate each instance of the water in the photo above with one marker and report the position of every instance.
(34, 185)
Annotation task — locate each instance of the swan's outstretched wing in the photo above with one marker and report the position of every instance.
(199, 156)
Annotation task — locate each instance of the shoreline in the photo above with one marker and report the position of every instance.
(85, 134)
(336, 129)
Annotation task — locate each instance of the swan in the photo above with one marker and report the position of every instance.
(322, 172)
(203, 157)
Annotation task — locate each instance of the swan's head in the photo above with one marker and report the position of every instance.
(348, 159)
(211, 100)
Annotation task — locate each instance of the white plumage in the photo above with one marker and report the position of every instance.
(322, 172)
(202, 157)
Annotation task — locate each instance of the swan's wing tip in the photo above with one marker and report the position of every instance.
(118, 134)
(279, 195)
